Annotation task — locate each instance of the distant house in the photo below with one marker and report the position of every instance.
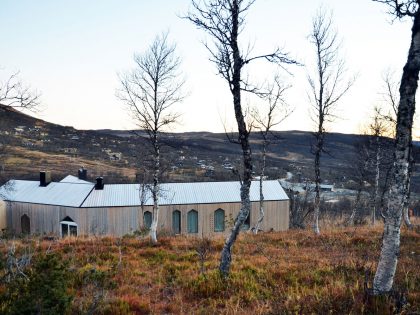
(115, 156)
(70, 150)
(75, 206)
(19, 130)
(322, 187)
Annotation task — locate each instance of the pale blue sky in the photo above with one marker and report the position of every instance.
(72, 51)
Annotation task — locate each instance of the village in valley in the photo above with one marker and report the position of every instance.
(207, 156)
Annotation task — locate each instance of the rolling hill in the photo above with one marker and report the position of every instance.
(34, 144)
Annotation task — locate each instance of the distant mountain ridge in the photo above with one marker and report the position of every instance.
(187, 151)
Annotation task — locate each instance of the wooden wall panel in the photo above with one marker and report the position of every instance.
(119, 221)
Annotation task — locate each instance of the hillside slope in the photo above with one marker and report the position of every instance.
(34, 144)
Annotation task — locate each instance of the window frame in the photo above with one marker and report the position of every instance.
(176, 212)
(189, 229)
(68, 224)
(216, 214)
(144, 219)
(24, 217)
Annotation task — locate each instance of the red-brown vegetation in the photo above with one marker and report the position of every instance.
(294, 272)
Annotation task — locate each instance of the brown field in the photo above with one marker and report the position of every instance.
(22, 163)
(292, 272)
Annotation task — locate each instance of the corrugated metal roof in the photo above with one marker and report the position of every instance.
(60, 194)
(74, 180)
(119, 195)
(73, 194)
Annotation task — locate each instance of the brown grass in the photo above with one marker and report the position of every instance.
(22, 162)
(292, 272)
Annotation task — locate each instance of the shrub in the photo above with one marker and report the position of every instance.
(43, 291)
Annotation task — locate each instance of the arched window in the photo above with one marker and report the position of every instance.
(219, 220)
(147, 219)
(25, 224)
(68, 227)
(192, 221)
(176, 222)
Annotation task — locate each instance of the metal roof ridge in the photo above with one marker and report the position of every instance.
(87, 196)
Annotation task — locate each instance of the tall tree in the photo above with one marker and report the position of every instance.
(150, 90)
(264, 120)
(387, 265)
(377, 130)
(328, 86)
(224, 20)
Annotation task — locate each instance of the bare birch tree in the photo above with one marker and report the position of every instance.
(328, 86)
(224, 21)
(377, 130)
(150, 90)
(277, 111)
(14, 94)
(387, 265)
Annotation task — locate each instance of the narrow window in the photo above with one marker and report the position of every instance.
(147, 219)
(192, 220)
(68, 227)
(219, 220)
(176, 222)
(25, 224)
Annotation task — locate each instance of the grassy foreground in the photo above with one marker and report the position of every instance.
(292, 272)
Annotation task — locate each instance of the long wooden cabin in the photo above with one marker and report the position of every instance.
(77, 207)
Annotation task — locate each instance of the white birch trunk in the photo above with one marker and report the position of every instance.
(356, 205)
(388, 260)
(155, 191)
(261, 215)
(377, 176)
(317, 181)
(406, 215)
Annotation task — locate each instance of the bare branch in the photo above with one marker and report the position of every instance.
(401, 9)
(14, 94)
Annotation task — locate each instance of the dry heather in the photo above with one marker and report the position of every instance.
(292, 272)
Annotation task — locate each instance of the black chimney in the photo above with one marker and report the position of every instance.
(99, 183)
(82, 173)
(44, 178)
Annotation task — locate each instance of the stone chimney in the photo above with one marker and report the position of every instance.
(82, 173)
(44, 178)
(99, 183)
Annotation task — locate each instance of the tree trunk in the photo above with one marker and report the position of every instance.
(387, 265)
(406, 215)
(317, 184)
(226, 256)
(261, 216)
(356, 205)
(377, 176)
(155, 190)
